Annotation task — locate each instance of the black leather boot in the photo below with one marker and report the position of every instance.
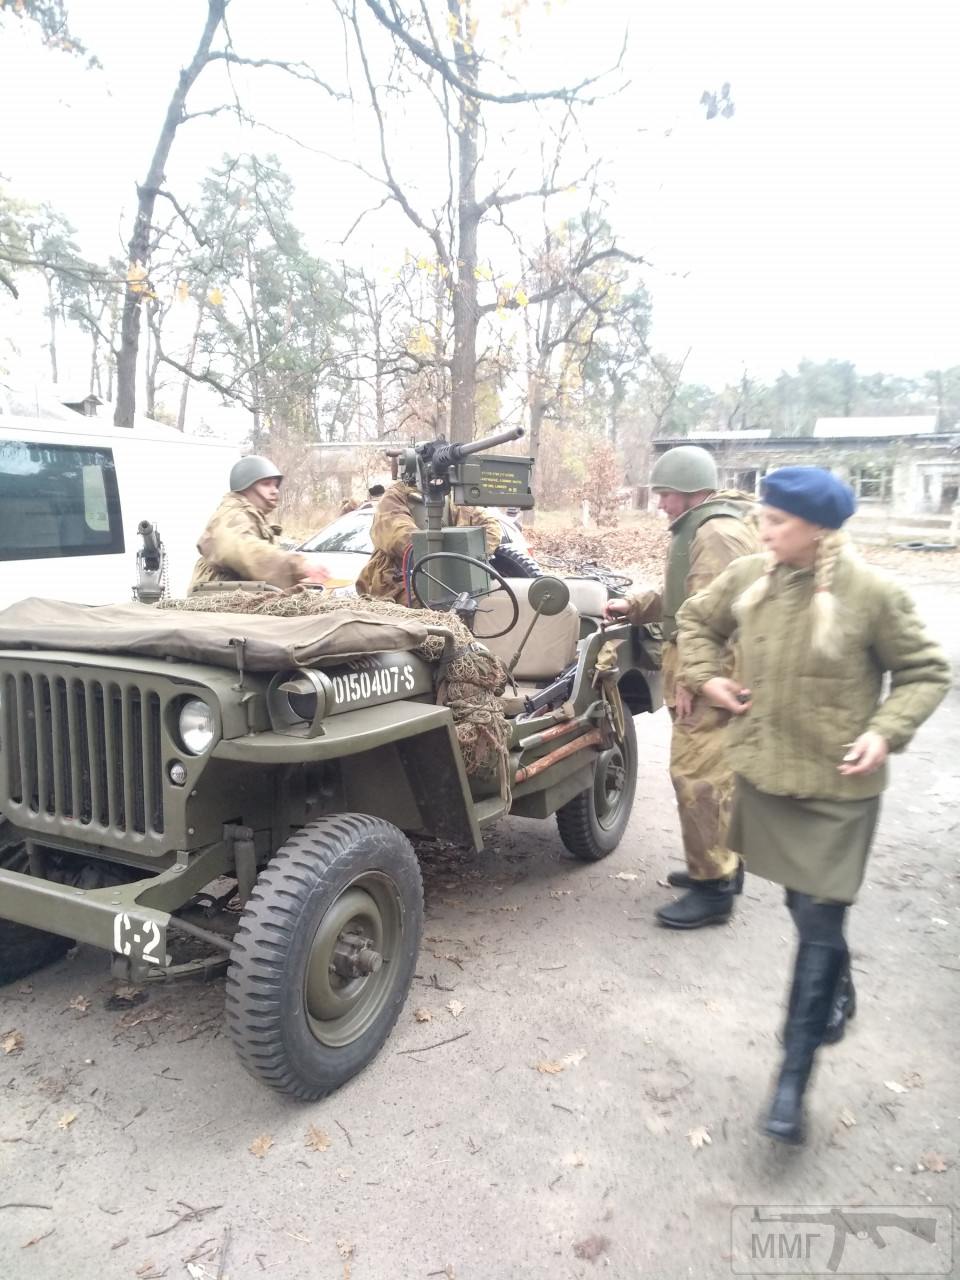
(684, 880)
(815, 976)
(842, 1010)
(708, 902)
(844, 1007)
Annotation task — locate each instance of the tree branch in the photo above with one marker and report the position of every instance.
(441, 65)
(299, 70)
(185, 217)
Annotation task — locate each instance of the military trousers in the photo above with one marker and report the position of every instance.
(704, 784)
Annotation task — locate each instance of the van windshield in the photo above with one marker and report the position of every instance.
(57, 500)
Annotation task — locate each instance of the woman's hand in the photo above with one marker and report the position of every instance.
(866, 755)
(728, 694)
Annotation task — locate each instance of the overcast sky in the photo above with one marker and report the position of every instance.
(820, 221)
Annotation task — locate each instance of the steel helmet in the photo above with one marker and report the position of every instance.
(251, 469)
(686, 469)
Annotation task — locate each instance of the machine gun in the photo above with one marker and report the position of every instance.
(151, 583)
(447, 567)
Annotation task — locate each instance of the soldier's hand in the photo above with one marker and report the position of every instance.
(616, 609)
(317, 574)
(683, 702)
(728, 694)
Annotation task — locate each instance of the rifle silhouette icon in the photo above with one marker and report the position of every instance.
(846, 1224)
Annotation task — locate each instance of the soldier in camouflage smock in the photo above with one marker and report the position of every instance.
(240, 543)
(708, 530)
(392, 532)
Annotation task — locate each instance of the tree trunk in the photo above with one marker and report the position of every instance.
(185, 389)
(464, 365)
(52, 313)
(139, 248)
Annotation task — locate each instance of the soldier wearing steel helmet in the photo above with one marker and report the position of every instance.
(708, 529)
(240, 543)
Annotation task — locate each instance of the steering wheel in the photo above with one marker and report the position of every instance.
(450, 597)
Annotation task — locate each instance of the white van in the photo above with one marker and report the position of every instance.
(74, 489)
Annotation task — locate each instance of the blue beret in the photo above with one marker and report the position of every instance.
(811, 493)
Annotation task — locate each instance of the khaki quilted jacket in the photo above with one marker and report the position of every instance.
(806, 708)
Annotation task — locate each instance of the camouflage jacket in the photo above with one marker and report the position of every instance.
(716, 544)
(392, 532)
(240, 544)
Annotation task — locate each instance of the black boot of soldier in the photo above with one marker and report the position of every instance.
(815, 976)
(706, 902)
(684, 880)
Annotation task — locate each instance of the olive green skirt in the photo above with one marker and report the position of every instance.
(818, 847)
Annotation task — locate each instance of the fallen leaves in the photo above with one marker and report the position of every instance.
(934, 1162)
(66, 1120)
(548, 1068)
(456, 1007)
(591, 1247)
(79, 1004)
(422, 1015)
(12, 1042)
(895, 1086)
(699, 1137)
(847, 1118)
(260, 1146)
(626, 875)
(345, 1249)
(316, 1140)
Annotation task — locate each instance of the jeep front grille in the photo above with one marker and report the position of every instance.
(84, 750)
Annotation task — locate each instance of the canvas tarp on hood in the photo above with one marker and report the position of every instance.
(271, 643)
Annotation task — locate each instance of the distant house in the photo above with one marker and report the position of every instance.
(899, 466)
(83, 402)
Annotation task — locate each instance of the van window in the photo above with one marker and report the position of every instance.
(58, 500)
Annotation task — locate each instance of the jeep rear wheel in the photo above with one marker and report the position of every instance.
(324, 954)
(592, 824)
(23, 950)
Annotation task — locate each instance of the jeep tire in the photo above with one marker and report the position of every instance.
(23, 950)
(511, 562)
(592, 824)
(324, 954)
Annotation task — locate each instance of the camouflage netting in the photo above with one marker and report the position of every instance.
(470, 683)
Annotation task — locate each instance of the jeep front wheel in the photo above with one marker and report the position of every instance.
(592, 824)
(324, 954)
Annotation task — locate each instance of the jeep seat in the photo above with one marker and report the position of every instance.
(553, 641)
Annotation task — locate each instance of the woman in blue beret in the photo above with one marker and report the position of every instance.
(816, 630)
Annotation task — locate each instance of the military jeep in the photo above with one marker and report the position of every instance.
(199, 790)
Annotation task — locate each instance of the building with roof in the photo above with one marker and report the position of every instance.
(905, 473)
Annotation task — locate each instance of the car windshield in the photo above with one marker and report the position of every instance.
(350, 533)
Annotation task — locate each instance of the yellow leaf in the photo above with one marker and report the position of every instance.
(136, 272)
(12, 1042)
(260, 1146)
(316, 1140)
(183, 291)
(421, 343)
(482, 273)
(521, 297)
(215, 297)
(549, 1068)
(66, 1120)
(453, 27)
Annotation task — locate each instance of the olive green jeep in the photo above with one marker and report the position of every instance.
(199, 790)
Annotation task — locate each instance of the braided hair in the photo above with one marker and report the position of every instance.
(832, 545)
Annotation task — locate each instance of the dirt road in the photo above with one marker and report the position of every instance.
(592, 1111)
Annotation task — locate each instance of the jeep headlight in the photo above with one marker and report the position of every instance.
(197, 726)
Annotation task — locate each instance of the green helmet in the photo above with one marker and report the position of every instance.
(686, 469)
(251, 469)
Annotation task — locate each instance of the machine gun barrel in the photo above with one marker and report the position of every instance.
(445, 454)
(152, 549)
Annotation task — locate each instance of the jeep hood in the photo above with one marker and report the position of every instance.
(270, 643)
